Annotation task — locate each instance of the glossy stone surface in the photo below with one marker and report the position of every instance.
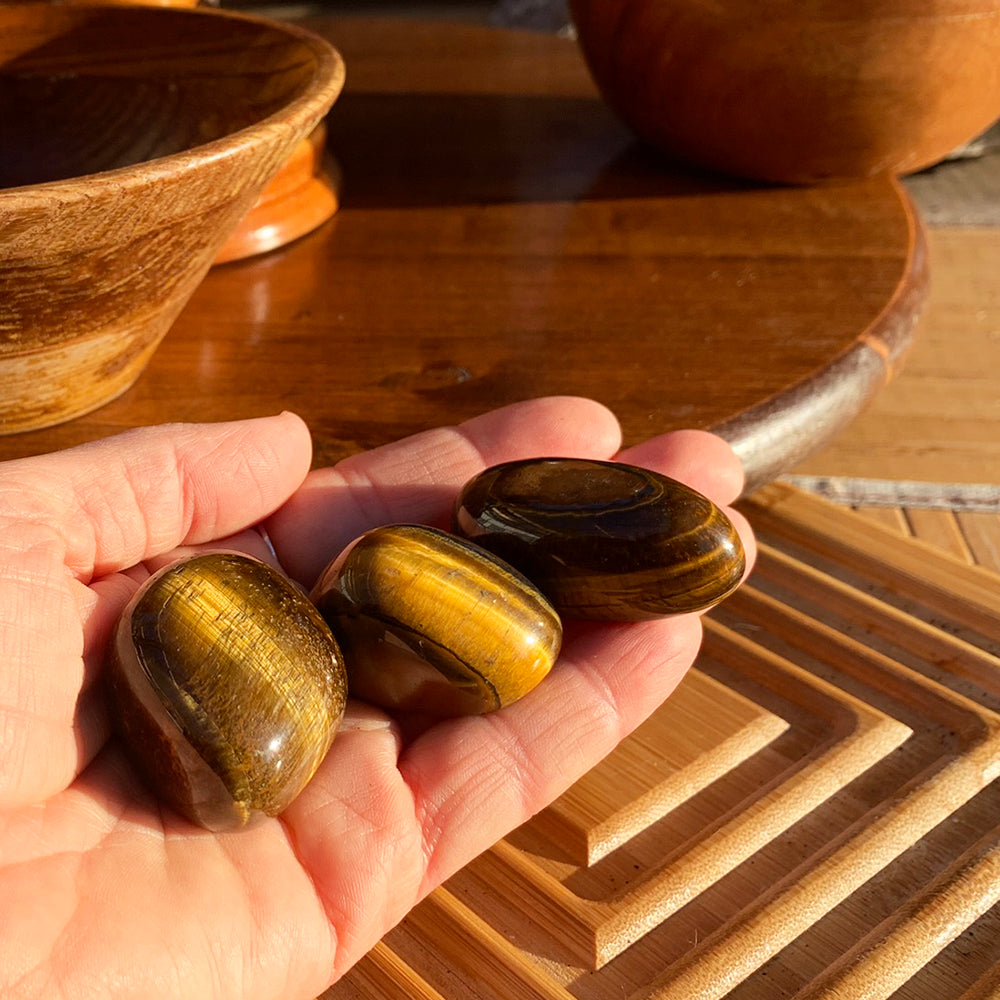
(227, 687)
(604, 540)
(431, 623)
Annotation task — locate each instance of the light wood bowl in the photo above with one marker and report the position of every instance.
(301, 196)
(135, 140)
(798, 90)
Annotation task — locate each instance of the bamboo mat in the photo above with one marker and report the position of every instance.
(970, 535)
(813, 814)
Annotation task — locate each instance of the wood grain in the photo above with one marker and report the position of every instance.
(501, 235)
(963, 593)
(604, 919)
(134, 140)
(860, 844)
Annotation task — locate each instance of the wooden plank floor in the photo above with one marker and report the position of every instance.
(811, 816)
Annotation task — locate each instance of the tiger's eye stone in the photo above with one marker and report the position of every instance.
(604, 540)
(227, 687)
(430, 623)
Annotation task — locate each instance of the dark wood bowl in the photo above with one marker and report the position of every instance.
(134, 141)
(800, 92)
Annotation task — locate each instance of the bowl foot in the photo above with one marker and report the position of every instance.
(300, 198)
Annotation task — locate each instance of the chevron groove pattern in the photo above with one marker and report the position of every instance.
(606, 922)
(653, 772)
(829, 834)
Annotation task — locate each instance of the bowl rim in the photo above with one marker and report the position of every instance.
(319, 94)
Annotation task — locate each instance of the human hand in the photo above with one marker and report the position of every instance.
(103, 893)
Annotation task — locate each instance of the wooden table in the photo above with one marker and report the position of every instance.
(502, 236)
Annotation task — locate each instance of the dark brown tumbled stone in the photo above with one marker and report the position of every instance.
(227, 687)
(431, 623)
(604, 540)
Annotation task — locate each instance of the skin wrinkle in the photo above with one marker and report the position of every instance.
(367, 498)
(608, 721)
(421, 468)
(18, 733)
(46, 990)
(372, 807)
(181, 499)
(291, 944)
(169, 857)
(91, 827)
(122, 513)
(370, 735)
(26, 751)
(48, 967)
(13, 753)
(166, 501)
(382, 814)
(40, 501)
(451, 449)
(255, 461)
(248, 956)
(322, 901)
(60, 509)
(434, 818)
(91, 727)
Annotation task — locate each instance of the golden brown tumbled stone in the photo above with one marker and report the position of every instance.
(604, 540)
(429, 622)
(227, 687)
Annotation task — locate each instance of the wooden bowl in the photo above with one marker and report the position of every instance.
(798, 90)
(134, 141)
(301, 196)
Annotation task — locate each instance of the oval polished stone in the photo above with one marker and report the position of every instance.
(227, 687)
(604, 540)
(430, 623)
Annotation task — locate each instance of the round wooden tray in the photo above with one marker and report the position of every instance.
(501, 236)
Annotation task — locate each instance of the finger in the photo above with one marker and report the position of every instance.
(417, 479)
(124, 499)
(402, 821)
(699, 459)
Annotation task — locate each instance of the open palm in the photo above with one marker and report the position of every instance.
(103, 893)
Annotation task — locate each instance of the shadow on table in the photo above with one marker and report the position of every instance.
(413, 150)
